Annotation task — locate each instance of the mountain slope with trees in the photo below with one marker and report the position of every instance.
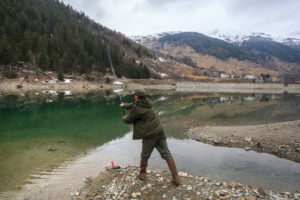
(48, 35)
(264, 49)
(257, 55)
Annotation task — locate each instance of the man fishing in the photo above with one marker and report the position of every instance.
(146, 126)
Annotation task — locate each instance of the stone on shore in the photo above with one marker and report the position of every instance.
(123, 184)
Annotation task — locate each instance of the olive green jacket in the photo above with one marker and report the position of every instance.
(145, 122)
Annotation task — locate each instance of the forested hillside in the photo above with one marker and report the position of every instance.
(265, 49)
(48, 35)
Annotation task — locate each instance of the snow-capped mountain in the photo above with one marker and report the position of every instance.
(141, 38)
(292, 42)
(239, 38)
(149, 41)
(233, 37)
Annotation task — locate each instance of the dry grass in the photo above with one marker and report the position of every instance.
(228, 66)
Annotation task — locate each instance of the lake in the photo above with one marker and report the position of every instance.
(49, 144)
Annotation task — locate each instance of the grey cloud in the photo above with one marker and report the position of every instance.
(159, 3)
(260, 7)
(265, 4)
(90, 8)
(151, 16)
(191, 3)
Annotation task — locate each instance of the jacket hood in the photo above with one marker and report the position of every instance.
(144, 103)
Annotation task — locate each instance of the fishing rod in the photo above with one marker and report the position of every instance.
(113, 71)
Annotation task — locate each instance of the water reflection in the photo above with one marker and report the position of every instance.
(180, 112)
(220, 163)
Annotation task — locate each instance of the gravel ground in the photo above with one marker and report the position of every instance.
(123, 184)
(281, 139)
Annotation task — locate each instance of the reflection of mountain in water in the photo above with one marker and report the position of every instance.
(180, 112)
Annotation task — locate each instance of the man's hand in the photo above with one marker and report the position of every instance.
(122, 105)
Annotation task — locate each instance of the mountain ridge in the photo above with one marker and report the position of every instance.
(233, 37)
(259, 49)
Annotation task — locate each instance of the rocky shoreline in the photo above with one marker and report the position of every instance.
(15, 86)
(9, 86)
(281, 139)
(123, 184)
(258, 88)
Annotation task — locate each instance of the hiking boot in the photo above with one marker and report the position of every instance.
(143, 167)
(172, 166)
(176, 181)
(142, 177)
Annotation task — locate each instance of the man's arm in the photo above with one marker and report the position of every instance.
(131, 117)
(127, 106)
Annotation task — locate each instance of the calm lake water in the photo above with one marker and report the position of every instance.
(49, 144)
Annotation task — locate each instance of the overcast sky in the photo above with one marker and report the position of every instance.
(142, 17)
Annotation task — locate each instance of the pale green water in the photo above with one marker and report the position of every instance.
(37, 134)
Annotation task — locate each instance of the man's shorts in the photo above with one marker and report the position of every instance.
(159, 142)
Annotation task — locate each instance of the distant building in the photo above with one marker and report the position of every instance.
(224, 75)
(234, 76)
(275, 79)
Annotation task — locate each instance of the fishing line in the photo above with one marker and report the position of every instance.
(113, 71)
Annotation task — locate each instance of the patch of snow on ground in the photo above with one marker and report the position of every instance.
(118, 90)
(68, 93)
(162, 98)
(53, 92)
(117, 83)
(161, 112)
(68, 80)
(52, 81)
(161, 59)
(163, 74)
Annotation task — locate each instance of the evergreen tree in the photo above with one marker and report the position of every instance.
(43, 61)
(61, 76)
(48, 34)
